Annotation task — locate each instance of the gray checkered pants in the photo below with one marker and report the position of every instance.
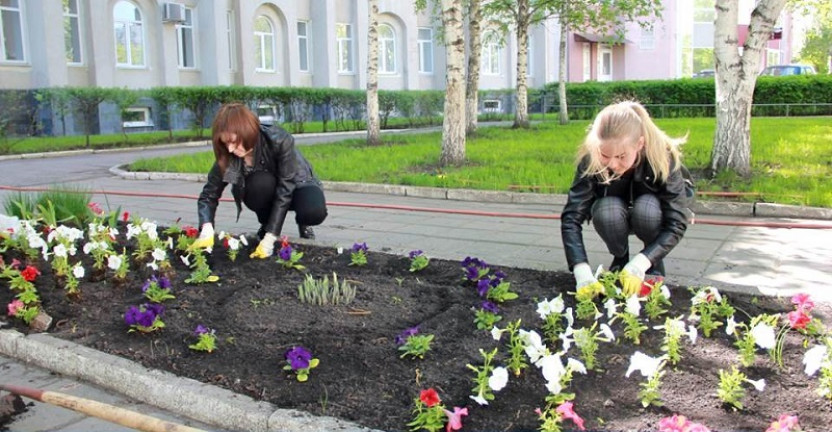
(615, 221)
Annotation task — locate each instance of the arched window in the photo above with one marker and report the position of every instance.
(491, 54)
(264, 44)
(129, 32)
(386, 49)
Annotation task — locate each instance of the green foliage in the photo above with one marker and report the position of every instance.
(52, 206)
(482, 390)
(323, 292)
(416, 345)
(485, 320)
(516, 362)
(730, 387)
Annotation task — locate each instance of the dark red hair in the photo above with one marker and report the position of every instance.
(235, 118)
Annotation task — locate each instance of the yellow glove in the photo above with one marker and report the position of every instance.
(632, 275)
(205, 239)
(590, 291)
(586, 285)
(266, 247)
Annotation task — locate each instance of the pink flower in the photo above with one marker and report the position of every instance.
(803, 302)
(15, 306)
(799, 318)
(565, 410)
(696, 427)
(783, 424)
(455, 418)
(95, 208)
(674, 423)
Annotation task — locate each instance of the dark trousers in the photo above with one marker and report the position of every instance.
(308, 200)
(614, 221)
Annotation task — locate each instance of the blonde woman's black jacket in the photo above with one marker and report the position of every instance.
(674, 196)
(275, 153)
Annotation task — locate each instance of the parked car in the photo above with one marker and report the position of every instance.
(705, 73)
(789, 69)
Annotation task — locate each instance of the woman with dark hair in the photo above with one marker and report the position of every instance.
(266, 173)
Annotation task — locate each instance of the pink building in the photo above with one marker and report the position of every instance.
(679, 44)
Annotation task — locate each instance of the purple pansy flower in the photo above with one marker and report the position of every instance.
(414, 253)
(164, 283)
(131, 317)
(298, 358)
(472, 273)
(490, 306)
(401, 339)
(285, 253)
(200, 329)
(482, 287)
(356, 247)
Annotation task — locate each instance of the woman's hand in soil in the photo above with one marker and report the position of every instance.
(632, 275)
(266, 247)
(205, 239)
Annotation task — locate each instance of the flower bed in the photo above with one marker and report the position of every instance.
(356, 362)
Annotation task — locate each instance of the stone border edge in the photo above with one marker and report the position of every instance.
(184, 396)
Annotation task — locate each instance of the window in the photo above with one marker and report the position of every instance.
(137, 117)
(72, 31)
(229, 35)
(185, 39)
(11, 31)
(648, 39)
(267, 114)
(127, 19)
(529, 56)
(264, 44)
(491, 53)
(772, 56)
(425, 41)
(704, 11)
(343, 38)
(387, 49)
(303, 45)
(492, 106)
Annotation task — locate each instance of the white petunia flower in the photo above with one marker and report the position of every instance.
(570, 319)
(759, 384)
(185, 260)
(78, 271)
(575, 365)
(153, 265)
(89, 247)
(496, 333)
(730, 326)
(552, 367)
(813, 359)
(566, 340)
(498, 379)
(763, 335)
(633, 305)
(665, 292)
(479, 399)
(643, 363)
(159, 254)
(547, 307)
(554, 387)
(535, 348)
(244, 241)
(114, 262)
(607, 332)
(233, 243)
(692, 334)
(60, 251)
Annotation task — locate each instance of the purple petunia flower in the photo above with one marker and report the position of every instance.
(414, 253)
(200, 329)
(472, 273)
(359, 247)
(298, 358)
(490, 306)
(474, 262)
(164, 283)
(146, 318)
(285, 253)
(148, 282)
(401, 339)
(155, 308)
(131, 317)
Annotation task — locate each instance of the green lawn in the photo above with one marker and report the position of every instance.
(791, 159)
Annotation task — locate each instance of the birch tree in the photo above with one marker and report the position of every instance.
(453, 127)
(736, 76)
(472, 87)
(373, 120)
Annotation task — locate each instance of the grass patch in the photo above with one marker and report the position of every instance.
(54, 206)
(791, 159)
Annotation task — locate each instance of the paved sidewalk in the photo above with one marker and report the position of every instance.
(722, 252)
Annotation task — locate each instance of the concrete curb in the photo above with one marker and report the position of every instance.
(42, 155)
(714, 208)
(183, 396)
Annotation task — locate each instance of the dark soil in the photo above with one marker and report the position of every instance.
(257, 317)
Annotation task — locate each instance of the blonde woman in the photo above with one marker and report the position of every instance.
(628, 181)
(266, 173)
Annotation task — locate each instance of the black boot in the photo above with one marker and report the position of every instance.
(261, 233)
(306, 232)
(618, 263)
(657, 269)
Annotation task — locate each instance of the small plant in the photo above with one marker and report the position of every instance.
(146, 234)
(517, 348)
(487, 315)
(232, 244)
(550, 312)
(658, 298)
(674, 329)
(709, 305)
(730, 389)
(119, 264)
(358, 254)
(322, 292)
(428, 412)
(485, 385)
(201, 271)
(206, 339)
(587, 341)
(414, 344)
(157, 290)
(501, 292)
(418, 260)
(146, 318)
(185, 236)
(819, 357)
(300, 361)
(474, 269)
(650, 368)
(27, 304)
(288, 257)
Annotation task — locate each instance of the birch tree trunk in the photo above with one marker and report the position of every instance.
(453, 127)
(736, 76)
(373, 121)
(474, 54)
(563, 113)
(521, 112)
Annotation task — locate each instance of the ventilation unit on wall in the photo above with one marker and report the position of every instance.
(173, 12)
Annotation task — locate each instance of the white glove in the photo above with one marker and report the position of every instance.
(583, 275)
(632, 275)
(266, 247)
(206, 237)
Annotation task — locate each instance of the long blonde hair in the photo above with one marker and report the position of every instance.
(630, 120)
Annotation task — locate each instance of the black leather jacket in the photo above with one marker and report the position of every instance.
(672, 196)
(274, 153)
